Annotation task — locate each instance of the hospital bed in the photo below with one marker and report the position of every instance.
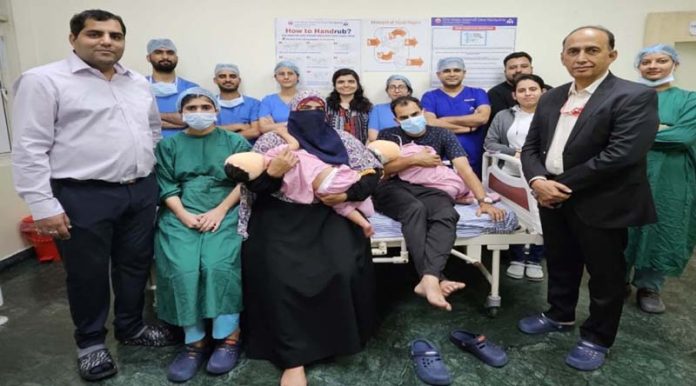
(521, 226)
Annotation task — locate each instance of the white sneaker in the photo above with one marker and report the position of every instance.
(515, 270)
(534, 272)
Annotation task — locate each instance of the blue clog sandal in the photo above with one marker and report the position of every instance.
(186, 364)
(587, 356)
(488, 352)
(428, 364)
(224, 357)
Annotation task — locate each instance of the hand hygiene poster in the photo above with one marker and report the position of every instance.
(483, 43)
(395, 45)
(319, 47)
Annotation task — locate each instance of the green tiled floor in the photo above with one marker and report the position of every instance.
(36, 345)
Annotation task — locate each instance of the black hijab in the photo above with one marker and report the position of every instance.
(317, 137)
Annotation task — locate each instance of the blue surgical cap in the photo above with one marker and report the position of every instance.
(226, 67)
(160, 44)
(401, 78)
(198, 92)
(450, 62)
(657, 49)
(287, 64)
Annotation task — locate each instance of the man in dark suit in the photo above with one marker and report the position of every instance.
(585, 159)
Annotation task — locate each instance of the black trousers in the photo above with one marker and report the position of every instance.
(571, 246)
(428, 222)
(112, 237)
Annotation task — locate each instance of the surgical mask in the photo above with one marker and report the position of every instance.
(414, 125)
(230, 103)
(161, 89)
(199, 121)
(658, 82)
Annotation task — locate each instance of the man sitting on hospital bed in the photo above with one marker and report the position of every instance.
(427, 215)
(439, 177)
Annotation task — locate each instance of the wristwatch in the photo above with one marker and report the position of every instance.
(485, 200)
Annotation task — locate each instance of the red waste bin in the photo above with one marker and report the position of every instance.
(44, 245)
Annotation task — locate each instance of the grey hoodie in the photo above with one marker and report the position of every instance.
(496, 139)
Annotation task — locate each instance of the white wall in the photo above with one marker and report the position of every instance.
(685, 75)
(12, 208)
(210, 31)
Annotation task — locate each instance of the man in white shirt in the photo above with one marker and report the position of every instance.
(585, 158)
(84, 132)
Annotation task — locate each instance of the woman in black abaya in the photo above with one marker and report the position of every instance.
(308, 281)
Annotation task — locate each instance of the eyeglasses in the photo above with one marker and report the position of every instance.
(395, 87)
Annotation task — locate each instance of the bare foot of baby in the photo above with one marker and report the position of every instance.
(429, 288)
(368, 230)
(448, 287)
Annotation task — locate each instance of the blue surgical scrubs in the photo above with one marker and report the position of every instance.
(168, 104)
(465, 103)
(273, 106)
(381, 117)
(246, 112)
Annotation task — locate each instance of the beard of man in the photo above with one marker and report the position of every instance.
(166, 66)
(227, 87)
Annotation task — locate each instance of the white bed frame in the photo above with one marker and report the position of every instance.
(515, 193)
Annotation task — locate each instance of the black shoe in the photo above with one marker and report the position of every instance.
(96, 365)
(650, 301)
(627, 291)
(154, 336)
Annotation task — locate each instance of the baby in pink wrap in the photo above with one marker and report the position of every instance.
(439, 177)
(308, 178)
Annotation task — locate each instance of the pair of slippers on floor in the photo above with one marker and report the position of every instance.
(428, 363)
